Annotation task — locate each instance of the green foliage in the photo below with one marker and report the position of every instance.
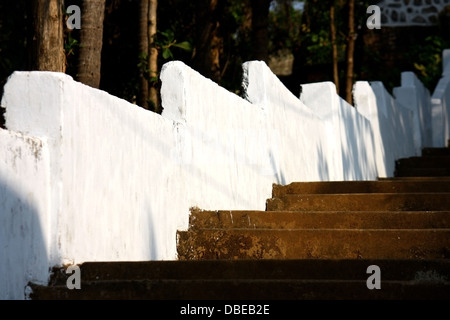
(143, 65)
(315, 32)
(284, 26)
(70, 45)
(318, 46)
(165, 42)
(304, 33)
(427, 59)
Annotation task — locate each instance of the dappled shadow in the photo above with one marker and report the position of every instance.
(322, 165)
(394, 128)
(23, 255)
(278, 172)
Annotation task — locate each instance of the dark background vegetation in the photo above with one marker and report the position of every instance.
(380, 55)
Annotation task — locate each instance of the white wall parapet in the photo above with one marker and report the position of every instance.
(350, 136)
(440, 105)
(415, 96)
(115, 182)
(392, 124)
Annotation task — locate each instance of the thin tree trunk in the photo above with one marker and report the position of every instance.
(334, 46)
(350, 51)
(153, 54)
(260, 23)
(48, 38)
(210, 44)
(91, 42)
(143, 48)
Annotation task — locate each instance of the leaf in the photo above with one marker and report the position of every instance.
(168, 34)
(167, 53)
(185, 45)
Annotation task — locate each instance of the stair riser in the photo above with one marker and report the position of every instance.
(424, 162)
(317, 244)
(436, 152)
(322, 269)
(246, 290)
(319, 219)
(342, 187)
(361, 202)
(422, 172)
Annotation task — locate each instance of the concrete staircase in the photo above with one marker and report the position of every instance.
(314, 241)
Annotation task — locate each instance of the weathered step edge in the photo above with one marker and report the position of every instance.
(361, 202)
(379, 186)
(288, 289)
(313, 243)
(222, 219)
(435, 270)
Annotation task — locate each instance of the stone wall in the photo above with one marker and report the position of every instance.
(400, 13)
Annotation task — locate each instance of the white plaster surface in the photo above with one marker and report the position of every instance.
(350, 137)
(24, 213)
(413, 95)
(107, 159)
(391, 122)
(440, 105)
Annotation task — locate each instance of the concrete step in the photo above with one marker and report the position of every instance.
(323, 269)
(444, 151)
(444, 179)
(422, 172)
(314, 243)
(222, 219)
(434, 162)
(253, 280)
(424, 162)
(378, 186)
(361, 202)
(258, 290)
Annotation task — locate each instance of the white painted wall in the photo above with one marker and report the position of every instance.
(350, 137)
(391, 122)
(413, 95)
(115, 182)
(222, 141)
(440, 105)
(24, 213)
(294, 154)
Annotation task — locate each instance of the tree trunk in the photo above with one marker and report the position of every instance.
(48, 36)
(334, 46)
(260, 23)
(91, 41)
(143, 48)
(209, 45)
(350, 51)
(153, 54)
